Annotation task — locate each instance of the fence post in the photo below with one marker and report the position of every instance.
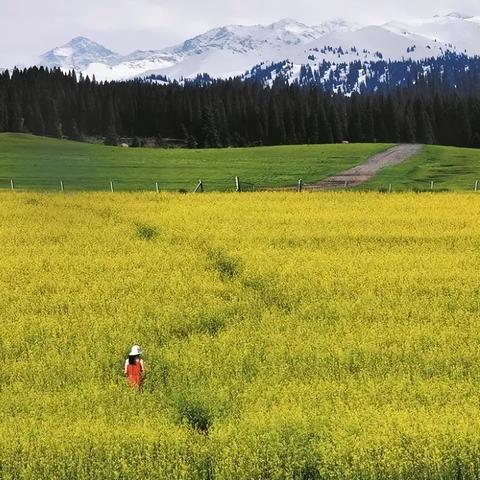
(390, 188)
(62, 189)
(476, 186)
(112, 186)
(346, 183)
(157, 187)
(199, 187)
(432, 185)
(238, 187)
(12, 184)
(300, 186)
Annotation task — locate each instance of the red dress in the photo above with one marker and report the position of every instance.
(135, 373)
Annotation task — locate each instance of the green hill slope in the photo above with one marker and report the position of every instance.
(40, 163)
(448, 167)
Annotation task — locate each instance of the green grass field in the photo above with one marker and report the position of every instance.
(40, 163)
(448, 167)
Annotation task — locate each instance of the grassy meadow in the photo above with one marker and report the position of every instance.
(450, 168)
(315, 336)
(40, 163)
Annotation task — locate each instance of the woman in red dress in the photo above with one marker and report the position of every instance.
(134, 368)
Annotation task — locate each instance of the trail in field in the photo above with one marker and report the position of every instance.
(364, 172)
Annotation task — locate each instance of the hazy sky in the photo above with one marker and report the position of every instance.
(28, 28)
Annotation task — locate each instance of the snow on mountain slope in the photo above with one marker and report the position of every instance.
(218, 63)
(455, 29)
(222, 52)
(233, 50)
(369, 43)
(78, 54)
(132, 66)
(92, 59)
(340, 50)
(241, 39)
(230, 51)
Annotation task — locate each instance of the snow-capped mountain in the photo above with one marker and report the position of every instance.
(356, 60)
(221, 52)
(233, 50)
(78, 54)
(230, 51)
(460, 32)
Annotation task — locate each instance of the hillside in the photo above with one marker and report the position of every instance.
(330, 336)
(40, 163)
(448, 167)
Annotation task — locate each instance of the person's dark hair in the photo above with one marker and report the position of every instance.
(132, 359)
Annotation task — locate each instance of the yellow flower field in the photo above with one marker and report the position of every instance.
(286, 336)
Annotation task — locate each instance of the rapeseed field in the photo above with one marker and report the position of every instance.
(286, 336)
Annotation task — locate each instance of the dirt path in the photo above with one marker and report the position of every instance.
(364, 172)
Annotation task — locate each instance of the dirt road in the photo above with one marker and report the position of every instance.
(364, 172)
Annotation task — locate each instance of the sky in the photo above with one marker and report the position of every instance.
(29, 28)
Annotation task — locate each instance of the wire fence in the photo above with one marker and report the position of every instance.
(336, 183)
(113, 185)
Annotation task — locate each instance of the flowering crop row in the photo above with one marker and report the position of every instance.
(331, 336)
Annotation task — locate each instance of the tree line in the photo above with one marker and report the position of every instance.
(234, 112)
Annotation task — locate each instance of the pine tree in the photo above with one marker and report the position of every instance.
(325, 134)
(355, 127)
(76, 134)
(337, 132)
(111, 137)
(409, 134)
(136, 142)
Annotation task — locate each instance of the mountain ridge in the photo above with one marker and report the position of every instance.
(235, 50)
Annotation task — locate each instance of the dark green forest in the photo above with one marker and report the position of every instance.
(234, 112)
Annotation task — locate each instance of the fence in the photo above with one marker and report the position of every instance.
(112, 185)
(342, 182)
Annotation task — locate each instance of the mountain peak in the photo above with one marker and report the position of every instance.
(77, 54)
(286, 22)
(290, 25)
(456, 15)
(84, 44)
(80, 40)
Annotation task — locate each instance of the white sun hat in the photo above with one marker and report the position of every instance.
(136, 350)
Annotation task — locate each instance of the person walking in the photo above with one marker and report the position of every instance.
(135, 368)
